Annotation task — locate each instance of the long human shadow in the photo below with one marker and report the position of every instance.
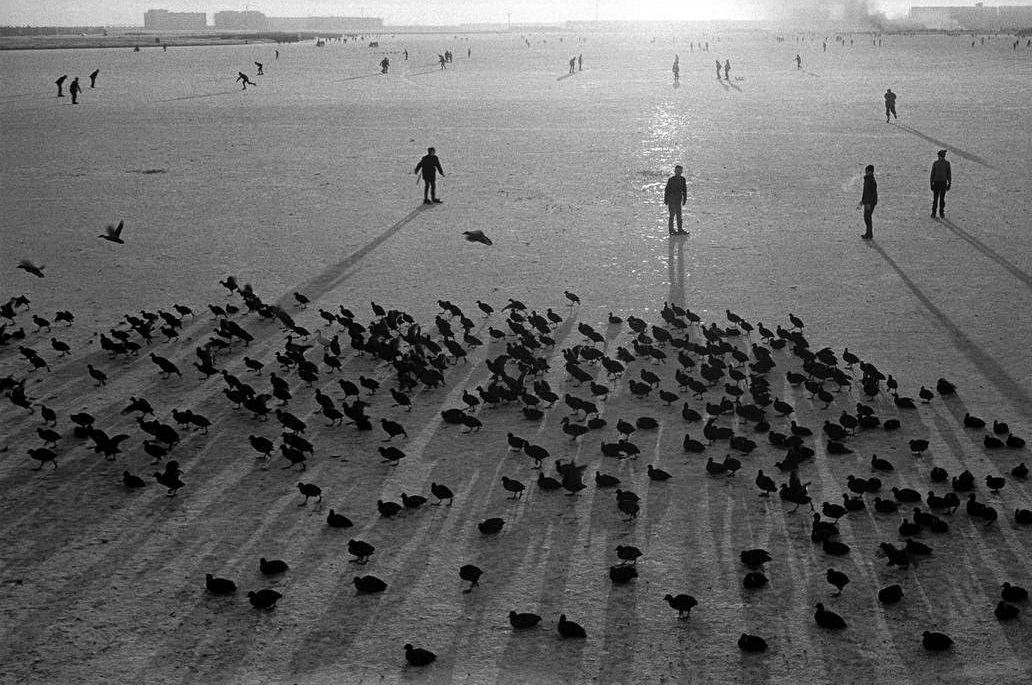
(337, 273)
(566, 76)
(955, 150)
(1013, 391)
(722, 84)
(734, 86)
(204, 95)
(988, 252)
(810, 73)
(353, 78)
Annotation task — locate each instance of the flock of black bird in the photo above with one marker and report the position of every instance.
(719, 375)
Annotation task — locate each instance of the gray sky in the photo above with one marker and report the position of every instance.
(130, 12)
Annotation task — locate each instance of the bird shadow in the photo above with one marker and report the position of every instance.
(993, 371)
(203, 95)
(942, 144)
(1022, 276)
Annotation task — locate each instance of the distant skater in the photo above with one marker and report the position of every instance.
(93, 77)
(727, 70)
(798, 62)
(573, 64)
(60, 84)
(442, 61)
(241, 76)
(261, 72)
(469, 52)
(429, 165)
(718, 69)
(580, 62)
(74, 90)
(868, 200)
(384, 65)
(890, 105)
(406, 54)
(941, 180)
(277, 54)
(677, 69)
(675, 196)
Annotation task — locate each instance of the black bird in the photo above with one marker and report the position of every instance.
(891, 594)
(29, 267)
(754, 558)
(879, 464)
(1013, 593)
(936, 642)
(412, 501)
(335, 520)
(754, 580)
(837, 578)
(828, 619)
(569, 629)
(272, 567)
(309, 490)
(113, 234)
(621, 575)
(361, 550)
(628, 553)
(472, 574)
(391, 454)
(752, 643)
(1006, 612)
(657, 474)
(264, 599)
(369, 584)
(973, 421)
(513, 486)
(131, 481)
(682, 603)
(441, 492)
(219, 586)
(523, 620)
(491, 526)
(388, 509)
(547, 483)
(765, 483)
(392, 428)
(417, 656)
(477, 236)
(604, 480)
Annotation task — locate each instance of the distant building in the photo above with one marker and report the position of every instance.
(977, 17)
(241, 21)
(334, 24)
(164, 20)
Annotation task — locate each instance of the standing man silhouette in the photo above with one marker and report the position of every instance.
(60, 83)
(93, 77)
(718, 69)
(429, 165)
(727, 70)
(798, 62)
(941, 180)
(890, 105)
(74, 90)
(675, 196)
(868, 200)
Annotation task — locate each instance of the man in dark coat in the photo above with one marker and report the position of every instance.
(675, 196)
(890, 105)
(74, 90)
(60, 83)
(429, 165)
(942, 179)
(868, 200)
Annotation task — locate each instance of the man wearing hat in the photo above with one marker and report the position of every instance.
(675, 196)
(941, 180)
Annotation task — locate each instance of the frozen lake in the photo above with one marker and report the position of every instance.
(304, 183)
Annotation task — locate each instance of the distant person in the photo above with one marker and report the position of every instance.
(469, 52)
(241, 76)
(448, 56)
(718, 69)
(164, 48)
(406, 54)
(868, 200)
(580, 62)
(677, 69)
(727, 70)
(798, 62)
(890, 105)
(261, 72)
(824, 46)
(441, 61)
(691, 48)
(675, 196)
(707, 46)
(429, 165)
(277, 54)
(60, 85)
(941, 180)
(384, 65)
(74, 90)
(573, 64)
(93, 77)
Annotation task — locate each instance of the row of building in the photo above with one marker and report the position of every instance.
(977, 17)
(164, 20)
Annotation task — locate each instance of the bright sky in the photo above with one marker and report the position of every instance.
(130, 12)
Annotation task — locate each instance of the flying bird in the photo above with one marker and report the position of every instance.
(113, 234)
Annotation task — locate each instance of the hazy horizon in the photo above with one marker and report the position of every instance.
(130, 12)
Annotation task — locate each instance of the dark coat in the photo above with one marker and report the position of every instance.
(870, 196)
(676, 192)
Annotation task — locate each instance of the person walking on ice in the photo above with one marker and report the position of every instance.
(677, 69)
(442, 61)
(941, 180)
(868, 200)
(429, 165)
(573, 64)
(385, 64)
(93, 77)
(675, 196)
(60, 83)
(890, 105)
(241, 76)
(261, 72)
(798, 62)
(74, 90)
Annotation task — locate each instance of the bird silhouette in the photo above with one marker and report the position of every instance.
(113, 234)
(752, 643)
(369, 584)
(569, 629)
(29, 267)
(219, 586)
(523, 620)
(477, 236)
(682, 603)
(264, 599)
(417, 656)
(470, 573)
